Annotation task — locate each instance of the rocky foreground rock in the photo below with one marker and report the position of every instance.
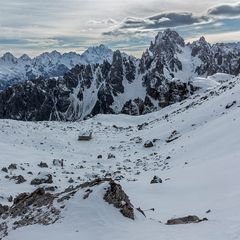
(44, 208)
(119, 199)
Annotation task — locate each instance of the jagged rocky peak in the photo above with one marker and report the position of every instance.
(163, 52)
(25, 58)
(169, 36)
(200, 45)
(71, 55)
(202, 39)
(9, 58)
(102, 47)
(97, 54)
(117, 57)
(99, 48)
(116, 73)
(55, 53)
(167, 40)
(47, 57)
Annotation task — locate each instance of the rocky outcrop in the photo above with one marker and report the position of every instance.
(185, 220)
(114, 195)
(148, 144)
(29, 209)
(162, 53)
(3, 209)
(119, 199)
(155, 180)
(44, 179)
(18, 179)
(215, 58)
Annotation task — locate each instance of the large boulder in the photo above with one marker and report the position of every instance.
(43, 178)
(119, 199)
(185, 220)
(156, 179)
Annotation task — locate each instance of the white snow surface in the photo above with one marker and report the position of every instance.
(211, 81)
(202, 172)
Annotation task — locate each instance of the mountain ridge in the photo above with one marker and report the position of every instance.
(48, 64)
(167, 72)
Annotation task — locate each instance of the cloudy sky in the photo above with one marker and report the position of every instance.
(33, 26)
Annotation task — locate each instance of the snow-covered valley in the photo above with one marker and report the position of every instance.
(194, 150)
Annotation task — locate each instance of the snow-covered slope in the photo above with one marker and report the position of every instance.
(195, 152)
(203, 84)
(53, 64)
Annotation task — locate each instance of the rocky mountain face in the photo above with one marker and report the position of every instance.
(221, 57)
(164, 75)
(48, 65)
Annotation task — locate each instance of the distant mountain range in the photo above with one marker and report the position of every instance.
(47, 65)
(102, 81)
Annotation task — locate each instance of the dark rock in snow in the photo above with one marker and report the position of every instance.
(12, 166)
(37, 204)
(148, 144)
(71, 180)
(185, 220)
(156, 179)
(4, 169)
(174, 136)
(45, 179)
(19, 179)
(116, 196)
(43, 165)
(229, 105)
(58, 162)
(10, 198)
(3, 209)
(88, 192)
(110, 156)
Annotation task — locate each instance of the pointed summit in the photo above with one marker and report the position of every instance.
(9, 58)
(163, 51)
(169, 35)
(97, 54)
(166, 42)
(200, 47)
(55, 54)
(202, 39)
(25, 58)
(201, 42)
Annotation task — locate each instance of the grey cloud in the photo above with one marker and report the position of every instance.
(175, 19)
(225, 10)
(156, 22)
(30, 25)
